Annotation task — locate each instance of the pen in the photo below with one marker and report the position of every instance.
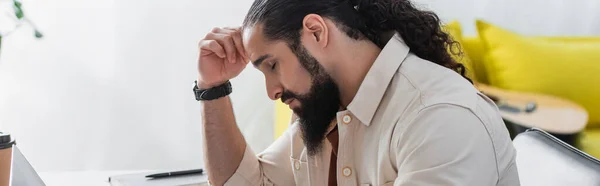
(175, 173)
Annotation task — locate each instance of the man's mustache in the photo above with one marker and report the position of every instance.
(288, 95)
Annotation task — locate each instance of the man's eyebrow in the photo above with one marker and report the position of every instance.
(258, 61)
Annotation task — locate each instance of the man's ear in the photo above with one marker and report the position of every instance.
(315, 29)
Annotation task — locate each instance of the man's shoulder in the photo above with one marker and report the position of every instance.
(419, 84)
(434, 84)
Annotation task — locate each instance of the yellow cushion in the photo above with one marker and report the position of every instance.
(590, 142)
(564, 69)
(475, 50)
(455, 30)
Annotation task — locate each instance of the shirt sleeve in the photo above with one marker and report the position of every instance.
(445, 145)
(271, 167)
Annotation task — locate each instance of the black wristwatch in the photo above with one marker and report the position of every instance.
(212, 93)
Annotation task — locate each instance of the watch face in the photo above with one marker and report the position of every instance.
(197, 92)
(196, 85)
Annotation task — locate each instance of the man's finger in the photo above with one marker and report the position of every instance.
(236, 33)
(237, 40)
(212, 46)
(226, 41)
(237, 29)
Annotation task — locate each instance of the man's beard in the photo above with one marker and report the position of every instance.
(318, 107)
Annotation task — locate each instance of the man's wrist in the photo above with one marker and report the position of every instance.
(210, 91)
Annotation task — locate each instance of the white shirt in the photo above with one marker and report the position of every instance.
(412, 122)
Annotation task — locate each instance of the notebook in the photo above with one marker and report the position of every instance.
(140, 179)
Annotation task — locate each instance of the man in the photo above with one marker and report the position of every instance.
(378, 99)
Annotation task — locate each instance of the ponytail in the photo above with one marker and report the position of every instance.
(420, 30)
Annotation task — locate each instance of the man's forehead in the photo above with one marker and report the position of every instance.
(256, 44)
(253, 41)
(250, 34)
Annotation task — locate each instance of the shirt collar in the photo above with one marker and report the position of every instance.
(371, 90)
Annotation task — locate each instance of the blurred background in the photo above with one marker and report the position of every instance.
(109, 86)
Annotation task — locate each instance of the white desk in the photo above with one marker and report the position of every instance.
(79, 178)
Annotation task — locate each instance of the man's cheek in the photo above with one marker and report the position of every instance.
(302, 81)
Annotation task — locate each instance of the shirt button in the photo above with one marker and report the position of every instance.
(347, 171)
(297, 165)
(347, 119)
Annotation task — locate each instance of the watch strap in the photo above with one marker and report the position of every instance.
(212, 93)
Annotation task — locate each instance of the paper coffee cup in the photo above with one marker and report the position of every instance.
(6, 144)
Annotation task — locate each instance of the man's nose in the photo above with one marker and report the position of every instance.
(274, 90)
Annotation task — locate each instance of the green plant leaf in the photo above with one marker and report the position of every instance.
(38, 34)
(18, 10)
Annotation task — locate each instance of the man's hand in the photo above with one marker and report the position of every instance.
(221, 58)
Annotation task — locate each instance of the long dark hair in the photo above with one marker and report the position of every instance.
(359, 19)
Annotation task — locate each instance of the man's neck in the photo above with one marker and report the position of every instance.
(356, 59)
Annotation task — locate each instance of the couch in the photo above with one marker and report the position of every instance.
(565, 67)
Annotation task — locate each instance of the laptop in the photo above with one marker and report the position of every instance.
(22, 173)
